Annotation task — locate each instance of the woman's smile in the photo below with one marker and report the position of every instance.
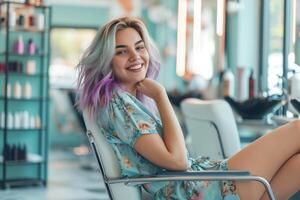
(136, 67)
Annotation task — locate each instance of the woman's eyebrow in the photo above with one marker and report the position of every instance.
(121, 46)
(124, 46)
(140, 41)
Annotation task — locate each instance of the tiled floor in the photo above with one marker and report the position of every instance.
(70, 178)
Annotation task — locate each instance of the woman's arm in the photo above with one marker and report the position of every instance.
(170, 151)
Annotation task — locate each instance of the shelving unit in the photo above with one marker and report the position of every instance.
(24, 95)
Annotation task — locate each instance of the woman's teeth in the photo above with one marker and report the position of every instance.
(135, 67)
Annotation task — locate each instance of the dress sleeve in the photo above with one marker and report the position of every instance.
(130, 120)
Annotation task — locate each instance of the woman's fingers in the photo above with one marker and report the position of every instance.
(150, 88)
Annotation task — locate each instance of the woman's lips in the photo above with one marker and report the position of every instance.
(136, 68)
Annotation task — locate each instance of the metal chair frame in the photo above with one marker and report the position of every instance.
(177, 176)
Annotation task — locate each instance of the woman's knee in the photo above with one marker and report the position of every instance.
(296, 125)
(294, 129)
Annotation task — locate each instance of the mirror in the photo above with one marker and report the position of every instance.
(204, 38)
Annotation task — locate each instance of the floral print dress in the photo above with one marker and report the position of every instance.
(123, 121)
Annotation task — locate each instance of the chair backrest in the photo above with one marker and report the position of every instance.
(212, 128)
(108, 162)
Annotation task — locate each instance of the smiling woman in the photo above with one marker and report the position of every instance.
(116, 76)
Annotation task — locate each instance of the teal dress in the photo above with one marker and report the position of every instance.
(124, 120)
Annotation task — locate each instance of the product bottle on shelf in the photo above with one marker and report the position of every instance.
(8, 90)
(40, 21)
(17, 120)
(24, 152)
(31, 47)
(37, 122)
(19, 45)
(27, 90)
(21, 21)
(31, 20)
(7, 152)
(19, 152)
(251, 85)
(2, 22)
(13, 151)
(12, 18)
(30, 67)
(32, 122)
(38, 2)
(10, 121)
(26, 119)
(17, 90)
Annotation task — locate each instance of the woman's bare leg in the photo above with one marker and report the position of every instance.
(287, 180)
(265, 157)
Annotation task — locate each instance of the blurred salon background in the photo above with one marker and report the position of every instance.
(246, 52)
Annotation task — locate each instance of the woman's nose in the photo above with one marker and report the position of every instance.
(134, 55)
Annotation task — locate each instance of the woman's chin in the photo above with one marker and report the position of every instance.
(138, 79)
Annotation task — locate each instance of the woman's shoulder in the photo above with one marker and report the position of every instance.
(120, 102)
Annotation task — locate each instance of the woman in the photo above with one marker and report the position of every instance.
(116, 85)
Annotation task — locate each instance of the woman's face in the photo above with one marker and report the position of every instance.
(131, 59)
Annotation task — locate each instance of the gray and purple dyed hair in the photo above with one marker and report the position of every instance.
(95, 77)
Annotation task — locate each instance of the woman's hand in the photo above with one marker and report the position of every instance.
(151, 88)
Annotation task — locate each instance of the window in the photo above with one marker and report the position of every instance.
(67, 45)
(275, 57)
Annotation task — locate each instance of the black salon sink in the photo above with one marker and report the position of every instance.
(256, 108)
(296, 104)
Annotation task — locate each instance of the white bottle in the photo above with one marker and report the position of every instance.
(32, 122)
(27, 90)
(17, 120)
(17, 90)
(12, 18)
(26, 119)
(10, 121)
(8, 90)
(40, 21)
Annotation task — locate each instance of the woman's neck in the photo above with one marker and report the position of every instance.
(130, 89)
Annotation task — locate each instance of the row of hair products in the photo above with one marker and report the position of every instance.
(19, 47)
(18, 90)
(14, 152)
(24, 19)
(229, 84)
(18, 67)
(34, 2)
(20, 120)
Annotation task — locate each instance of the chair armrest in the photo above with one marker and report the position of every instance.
(184, 175)
(205, 173)
(196, 176)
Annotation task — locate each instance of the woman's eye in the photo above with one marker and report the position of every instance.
(140, 48)
(121, 52)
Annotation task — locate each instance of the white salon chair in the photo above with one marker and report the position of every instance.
(211, 127)
(119, 188)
